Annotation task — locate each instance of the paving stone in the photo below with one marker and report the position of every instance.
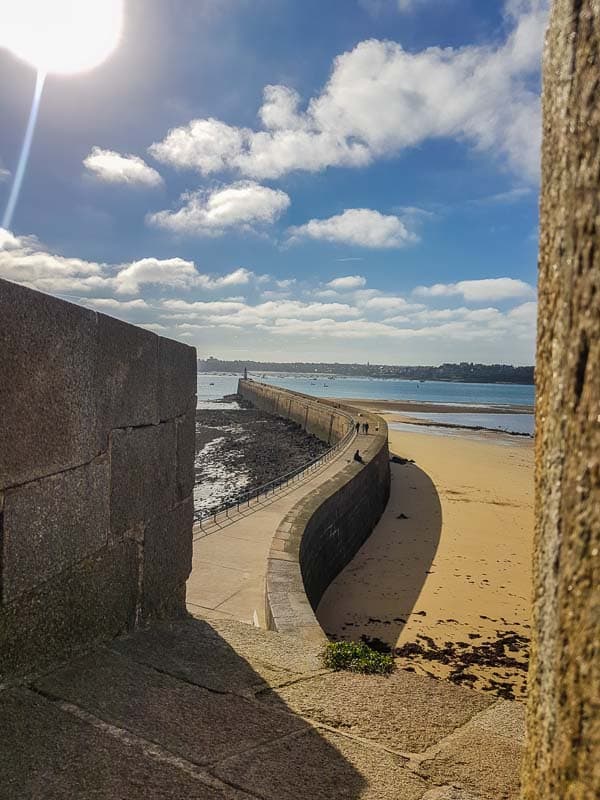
(199, 725)
(143, 465)
(177, 369)
(448, 793)
(48, 408)
(47, 753)
(223, 657)
(126, 376)
(485, 755)
(322, 766)
(53, 523)
(406, 712)
(167, 558)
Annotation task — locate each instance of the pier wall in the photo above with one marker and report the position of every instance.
(96, 477)
(325, 529)
(323, 418)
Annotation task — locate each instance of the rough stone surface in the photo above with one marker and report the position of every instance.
(176, 378)
(126, 376)
(449, 793)
(72, 610)
(47, 401)
(143, 469)
(483, 756)
(187, 720)
(51, 524)
(47, 753)
(383, 709)
(322, 766)
(563, 754)
(220, 656)
(186, 451)
(167, 558)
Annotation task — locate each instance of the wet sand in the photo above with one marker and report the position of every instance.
(393, 406)
(444, 580)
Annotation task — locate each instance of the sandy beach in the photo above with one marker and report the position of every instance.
(444, 580)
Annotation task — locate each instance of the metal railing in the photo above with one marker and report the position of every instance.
(245, 499)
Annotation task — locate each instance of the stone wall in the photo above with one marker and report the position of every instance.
(317, 417)
(324, 530)
(563, 754)
(96, 476)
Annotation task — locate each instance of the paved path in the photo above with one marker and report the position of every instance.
(218, 710)
(230, 557)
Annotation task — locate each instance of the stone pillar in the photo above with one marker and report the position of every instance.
(563, 755)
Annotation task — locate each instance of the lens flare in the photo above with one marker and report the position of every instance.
(61, 36)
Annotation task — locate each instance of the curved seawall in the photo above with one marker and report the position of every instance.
(324, 530)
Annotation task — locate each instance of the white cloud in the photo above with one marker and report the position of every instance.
(111, 304)
(25, 261)
(348, 282)
(4, 173)
(479, 290)
(358, 226)
(111, 167)
(241, 205)
(380, 100)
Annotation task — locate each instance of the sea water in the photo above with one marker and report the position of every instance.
(211, 387)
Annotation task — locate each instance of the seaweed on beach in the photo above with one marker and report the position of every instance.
(508, 652)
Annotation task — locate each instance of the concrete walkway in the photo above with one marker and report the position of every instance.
(230, 556)
(214, 709)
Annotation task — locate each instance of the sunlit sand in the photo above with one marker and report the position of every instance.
(445, 577)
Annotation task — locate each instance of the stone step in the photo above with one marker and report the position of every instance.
(218, 709)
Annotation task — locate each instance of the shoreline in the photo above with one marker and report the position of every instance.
(444, 581)
(391, 406)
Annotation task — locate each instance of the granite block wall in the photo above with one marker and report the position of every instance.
(96, 477)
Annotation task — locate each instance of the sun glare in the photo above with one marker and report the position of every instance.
(61, 36)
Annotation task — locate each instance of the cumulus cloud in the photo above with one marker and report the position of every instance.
(111, 167)
(380, 100)
(357, 226)
(347, 282)
(479, 290)
(25, 261)
(241, 205)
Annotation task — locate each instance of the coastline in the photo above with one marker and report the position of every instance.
(393, 406)
(444, 580)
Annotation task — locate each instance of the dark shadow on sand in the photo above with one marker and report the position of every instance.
(375, 594)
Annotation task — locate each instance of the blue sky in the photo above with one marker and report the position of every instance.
(346, 180)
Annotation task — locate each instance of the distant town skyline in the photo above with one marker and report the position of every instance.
(283, 181)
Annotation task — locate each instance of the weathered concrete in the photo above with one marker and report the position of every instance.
(89, 457)
(386, 710)
(563, 754)
(219, 709)
(483, 755)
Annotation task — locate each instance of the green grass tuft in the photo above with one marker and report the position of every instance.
(356, 657)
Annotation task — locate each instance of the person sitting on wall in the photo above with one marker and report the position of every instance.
(358, 457)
